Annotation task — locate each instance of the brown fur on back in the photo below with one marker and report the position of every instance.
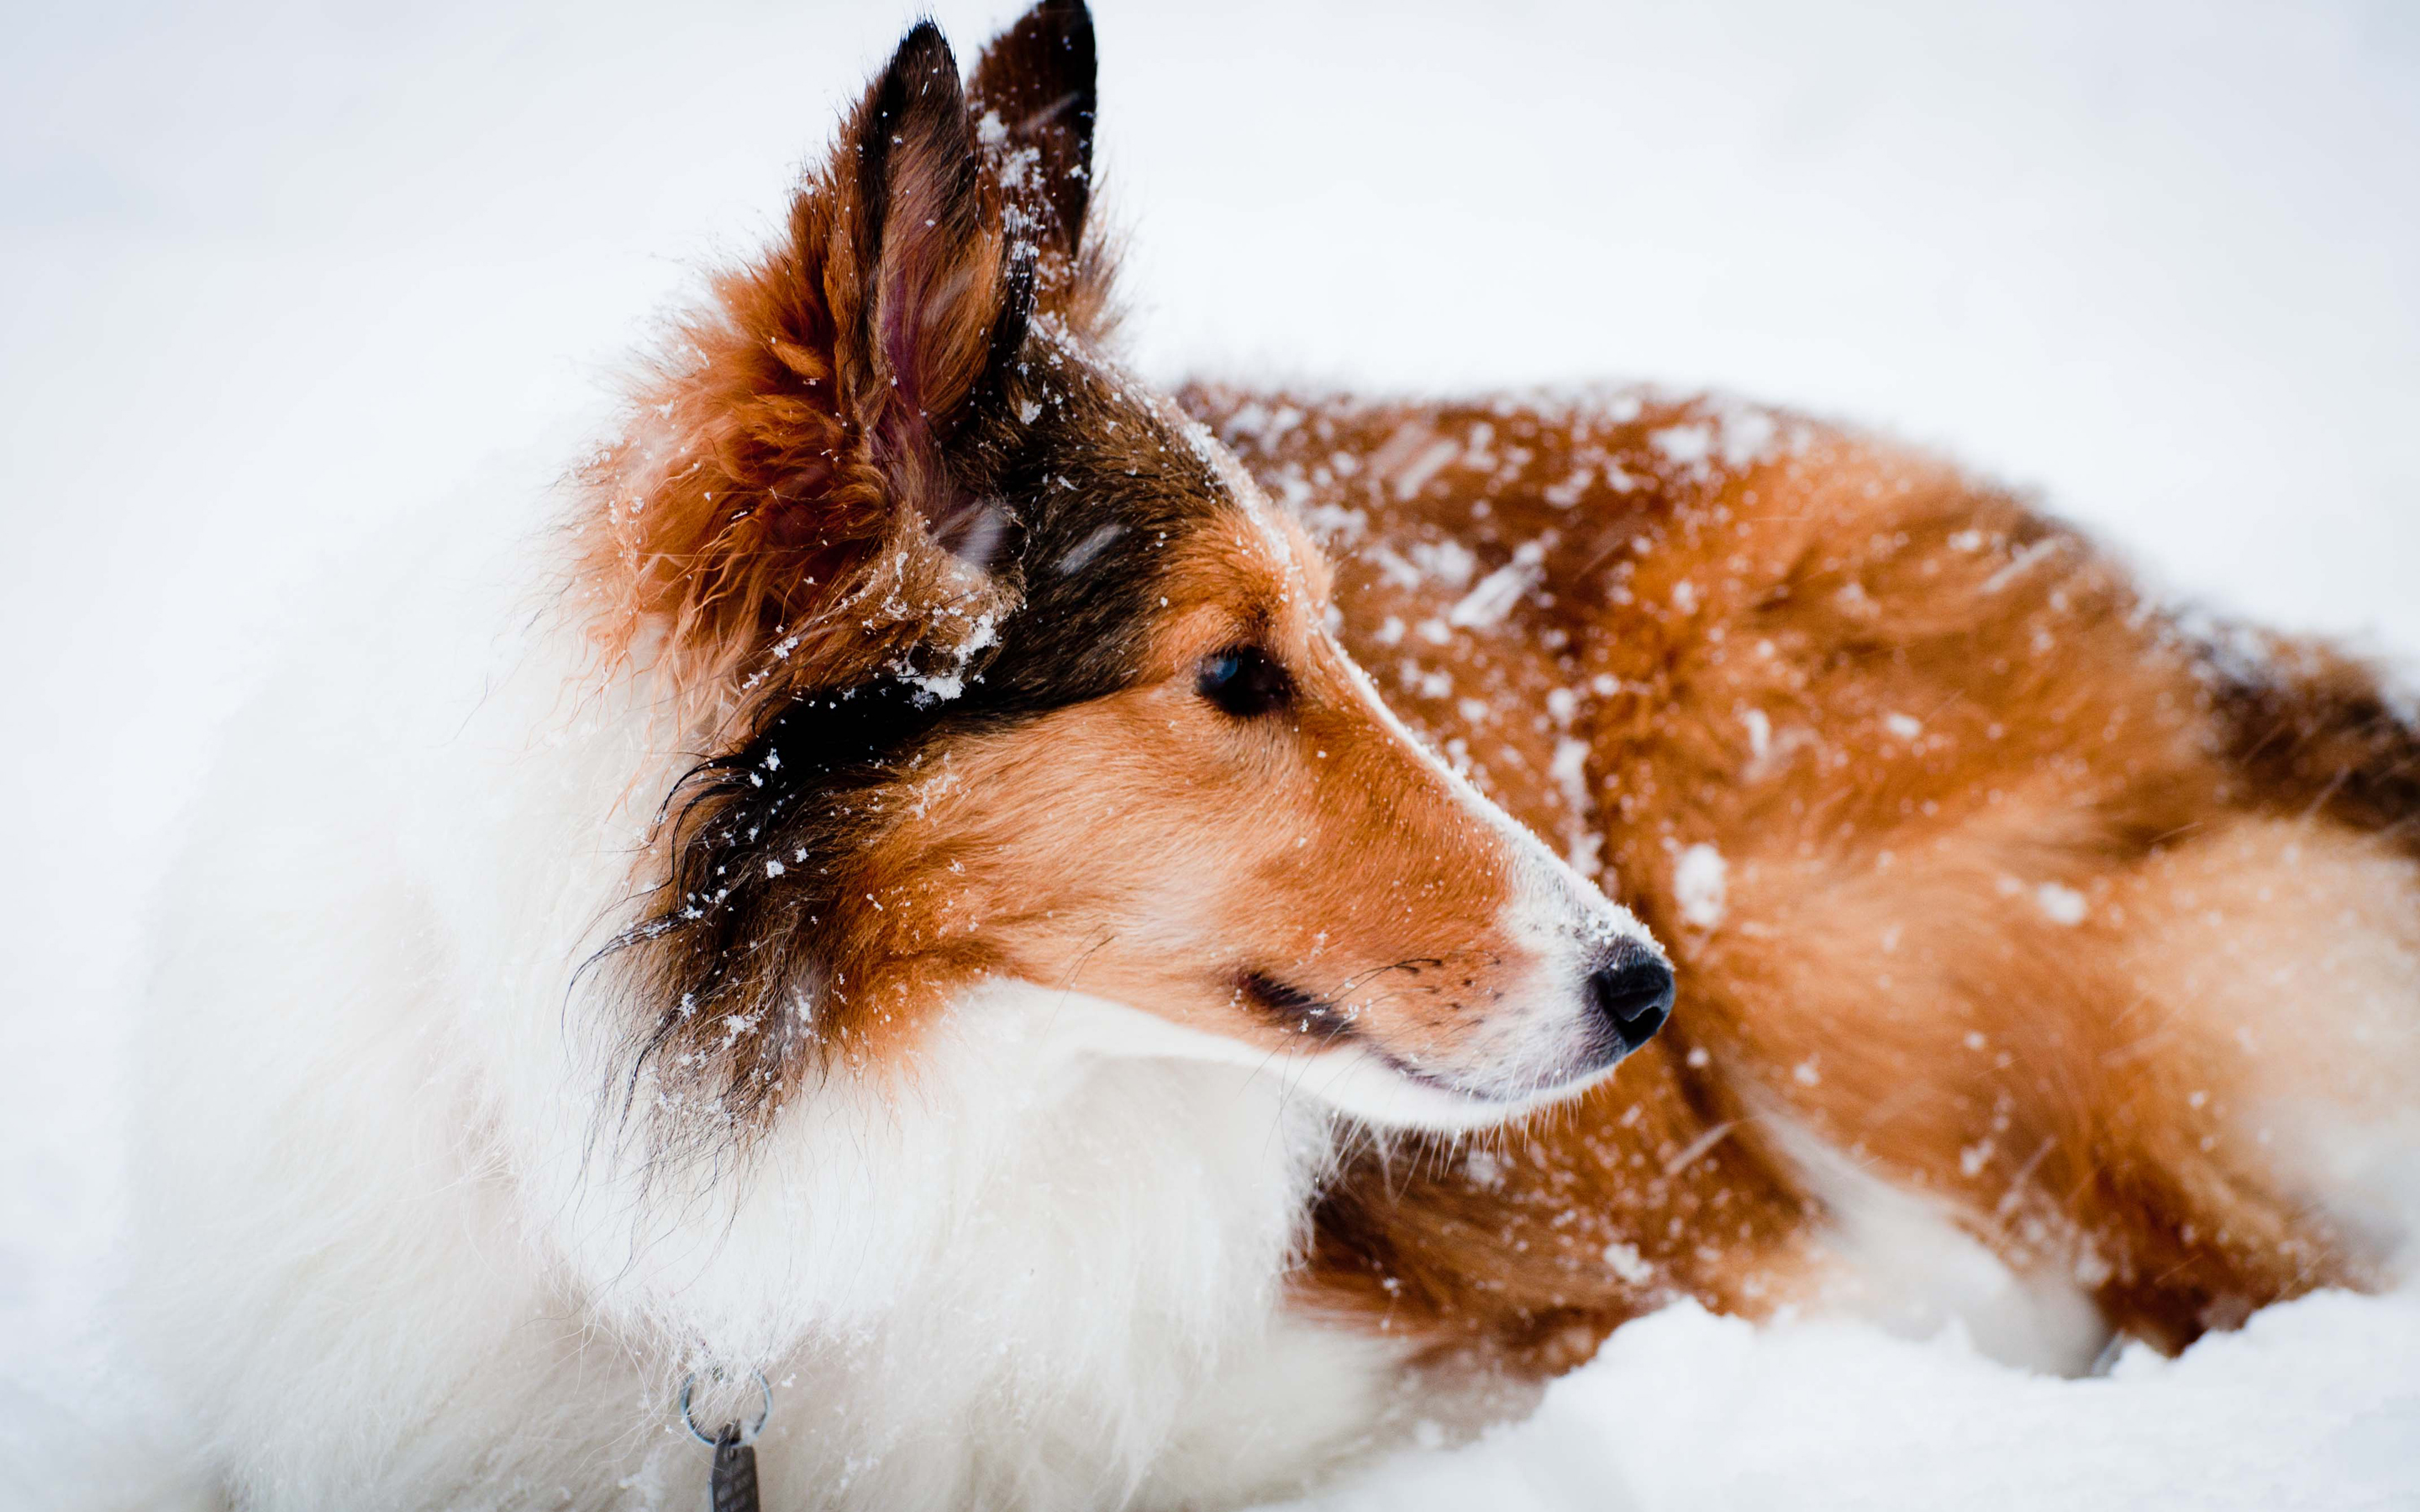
(1902, 772)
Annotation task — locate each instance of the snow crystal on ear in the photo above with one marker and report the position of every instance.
(943, 687)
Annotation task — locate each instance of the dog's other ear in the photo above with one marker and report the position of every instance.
(945, 291)
(789, 483)
(1032, 96)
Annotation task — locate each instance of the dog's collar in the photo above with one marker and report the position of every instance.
(731, 1485)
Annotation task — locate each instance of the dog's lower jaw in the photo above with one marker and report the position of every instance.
(1371, 1086)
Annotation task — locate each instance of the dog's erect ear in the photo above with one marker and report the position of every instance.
(1032, 96)
(791, 482)
(946, 290)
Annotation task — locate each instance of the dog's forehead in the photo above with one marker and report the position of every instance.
(1263, 561)
(1279, 536)
(1188, 548)
(1160, 471)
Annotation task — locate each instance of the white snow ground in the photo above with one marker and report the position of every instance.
(272, 275)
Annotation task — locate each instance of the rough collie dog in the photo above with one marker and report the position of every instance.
(1070, 932)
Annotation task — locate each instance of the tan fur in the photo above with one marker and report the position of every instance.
(2000, 919)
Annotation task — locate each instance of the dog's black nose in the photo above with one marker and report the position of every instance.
(1633, 992)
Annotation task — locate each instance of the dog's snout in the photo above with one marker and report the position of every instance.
(1633, 993)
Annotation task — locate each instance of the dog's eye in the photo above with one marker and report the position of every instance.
(1244, 682)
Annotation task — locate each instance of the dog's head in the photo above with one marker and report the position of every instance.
(1011, 673)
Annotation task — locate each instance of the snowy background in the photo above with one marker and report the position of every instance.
(273, 276)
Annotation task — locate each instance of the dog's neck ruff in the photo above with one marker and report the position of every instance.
(1021, 1262)
(1004, 1155)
